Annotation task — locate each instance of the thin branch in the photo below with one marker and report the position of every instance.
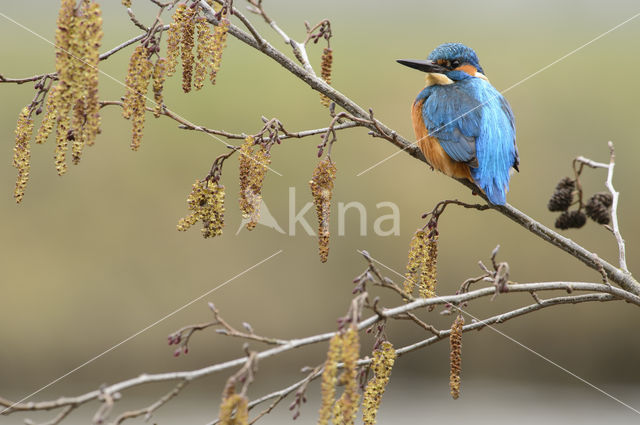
(55, 421)
(299, 49)
(148, 411)
(3, 79)
(615, 228)
(614, 212)
(286, 135)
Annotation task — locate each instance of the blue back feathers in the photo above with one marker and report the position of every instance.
(473, 123)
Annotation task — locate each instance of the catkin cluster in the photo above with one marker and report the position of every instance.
(383, 359)
(343, 347)
(159, 75)
(254, 161)
(22, 152)
(422, 264)
(184, 31)
(321, 185)
(72, 105)
(137, 81)
(326, 64)
(455, 356)
(232, 402)
(206, 203)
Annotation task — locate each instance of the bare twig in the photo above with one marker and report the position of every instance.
(148, 411)
(55, 421)
(615, 228)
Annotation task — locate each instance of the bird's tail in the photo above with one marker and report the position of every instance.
(495, 187)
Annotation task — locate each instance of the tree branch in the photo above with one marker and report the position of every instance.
(501, 318)
(604, 293)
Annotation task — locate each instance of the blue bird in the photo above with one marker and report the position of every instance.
(463, 125)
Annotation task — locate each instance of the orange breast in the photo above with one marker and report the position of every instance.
(432, 150)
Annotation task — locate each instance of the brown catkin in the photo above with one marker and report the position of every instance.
(383, 359)
(322, 183)
(326, 64)
(455, 356)
(22, 152)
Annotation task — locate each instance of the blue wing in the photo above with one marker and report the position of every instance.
(453, 116)
(474, 124)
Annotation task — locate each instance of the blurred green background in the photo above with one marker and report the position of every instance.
(91, 258)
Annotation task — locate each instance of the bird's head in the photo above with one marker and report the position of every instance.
(448, 58)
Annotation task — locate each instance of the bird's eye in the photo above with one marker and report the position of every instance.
(455, 64)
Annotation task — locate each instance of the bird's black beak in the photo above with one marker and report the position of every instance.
(423, 65)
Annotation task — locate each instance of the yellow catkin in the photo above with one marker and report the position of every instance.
(78, 39)
(421, 265)
(417, 251)
(64, 32)
(322, 184)
(455, 356)
(62, 132)
(428, 273)
(137, 82)
(186, 48)
(50, 115)
(206, 203)
(22, 152)
(383, 359)
(253, 164)
(219, 43)
(330, 379)
(174, 36)
(238, 403)
(159, 75)
(346, 408)
(126, 3)
(326, 64)
(203, 52)
(94, 39)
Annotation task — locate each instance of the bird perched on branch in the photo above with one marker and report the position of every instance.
(463, 125)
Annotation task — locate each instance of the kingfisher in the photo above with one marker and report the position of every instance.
(464, 127)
